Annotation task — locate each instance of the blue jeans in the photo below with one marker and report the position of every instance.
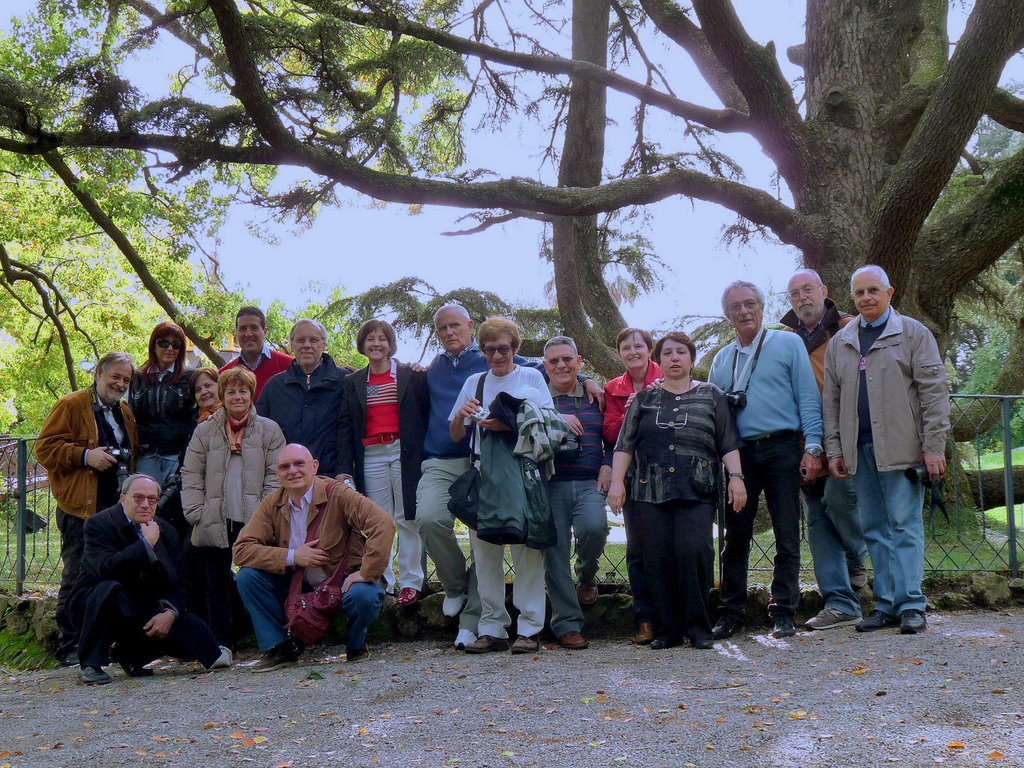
(264, 594)
(891, 514)
(577, 508)
(836, 539)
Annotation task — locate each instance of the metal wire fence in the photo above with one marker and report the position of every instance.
(980, 534)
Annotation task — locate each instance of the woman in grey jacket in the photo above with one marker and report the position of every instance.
(229, 468)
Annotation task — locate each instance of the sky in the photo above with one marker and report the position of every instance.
(362, 243)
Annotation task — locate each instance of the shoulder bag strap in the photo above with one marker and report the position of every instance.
(312, 531)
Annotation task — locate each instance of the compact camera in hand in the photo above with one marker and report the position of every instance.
(480, 415)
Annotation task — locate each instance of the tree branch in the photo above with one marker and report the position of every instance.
(673, 22)
(725, 120)
(777, 124)
(149, 281)
(1006, 109)
(36, 280)
(934, 149)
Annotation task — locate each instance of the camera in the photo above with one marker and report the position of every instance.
(123, 457)
(736, 399)
(917, 475)
(169, 495)
(569, 447)
(480, 415)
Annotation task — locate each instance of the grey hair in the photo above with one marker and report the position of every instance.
(457, 307)
(871, 268)
(808, 271)
(555, 341)
(742, 284)
(126, 486)
(307, 321)
(114, 358)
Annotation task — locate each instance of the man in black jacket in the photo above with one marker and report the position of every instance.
(306, 399)
(130, 597)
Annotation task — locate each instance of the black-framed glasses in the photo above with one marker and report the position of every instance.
(503, 350)
(168, 344)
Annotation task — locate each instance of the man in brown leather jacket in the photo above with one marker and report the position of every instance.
(86, 445)
(275, 542)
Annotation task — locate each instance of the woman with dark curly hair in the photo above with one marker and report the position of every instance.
(673, 442)
(161, 398)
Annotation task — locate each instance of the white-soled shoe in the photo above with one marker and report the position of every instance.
(224, 661)
(452, 605)
(464, 638)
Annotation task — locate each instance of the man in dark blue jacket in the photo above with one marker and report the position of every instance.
(306, 399)
(130, 597)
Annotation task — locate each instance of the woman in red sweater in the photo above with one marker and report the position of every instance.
(634, 346)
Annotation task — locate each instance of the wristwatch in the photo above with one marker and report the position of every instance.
(814, 450)
(740, 475)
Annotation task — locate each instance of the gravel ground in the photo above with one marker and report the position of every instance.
(952, 696)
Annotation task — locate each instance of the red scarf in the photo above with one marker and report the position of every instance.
(235, 429)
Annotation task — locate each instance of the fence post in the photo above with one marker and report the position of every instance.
(1011, 515)
(21, 519)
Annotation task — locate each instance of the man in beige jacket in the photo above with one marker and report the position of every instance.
(275, 542)
(886, 412)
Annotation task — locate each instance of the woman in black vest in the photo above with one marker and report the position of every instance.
(672, 443)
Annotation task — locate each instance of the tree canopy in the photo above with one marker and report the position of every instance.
(376, 97)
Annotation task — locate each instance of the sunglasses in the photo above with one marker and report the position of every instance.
(168, 344)
(562, 360)
(503, 350)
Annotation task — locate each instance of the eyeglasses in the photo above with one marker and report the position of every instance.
(503, 350)
(807, 290)
(750, 305)
(562, 360)
(138, 498)
(168, 344)
(299, 464)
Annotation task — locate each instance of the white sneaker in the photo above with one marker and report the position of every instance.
(223, 661)
(464, 638)
(452, 605)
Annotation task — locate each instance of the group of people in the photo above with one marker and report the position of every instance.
(287, 469)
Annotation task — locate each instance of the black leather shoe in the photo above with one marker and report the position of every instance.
(93, 676)
(727, 626)
(704, 644)
(357, 654)
(875, 621)
(912, 622)
(130, 667)
(661, 643)
(70, 659)
(783, 626)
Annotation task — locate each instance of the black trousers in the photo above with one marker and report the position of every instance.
(110, 616)
(72, 546)
(221, 593)
(678, 561)
(643, 612)
(772, 466)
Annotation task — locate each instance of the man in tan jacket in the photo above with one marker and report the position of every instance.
(86, 445)
(275, 542)
(886, 409)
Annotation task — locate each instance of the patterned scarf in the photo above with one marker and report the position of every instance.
(235, 429)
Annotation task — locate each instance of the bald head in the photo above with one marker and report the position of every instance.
(296, 469)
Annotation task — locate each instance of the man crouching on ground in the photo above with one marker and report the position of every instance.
(130, 598)
(274, 543)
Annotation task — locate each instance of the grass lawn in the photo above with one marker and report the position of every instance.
(995, 460)
(997, 516)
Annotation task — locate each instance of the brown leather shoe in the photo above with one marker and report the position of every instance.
(587, 593)
(524, 644)
(644, 635)
(573, 641)
(488, 644)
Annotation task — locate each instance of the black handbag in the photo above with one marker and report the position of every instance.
(464, 493)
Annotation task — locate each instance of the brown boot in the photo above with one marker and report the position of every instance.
(644, 635)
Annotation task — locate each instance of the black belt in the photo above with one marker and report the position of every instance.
(765, 436)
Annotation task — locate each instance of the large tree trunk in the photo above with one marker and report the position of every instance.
(586, 308)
